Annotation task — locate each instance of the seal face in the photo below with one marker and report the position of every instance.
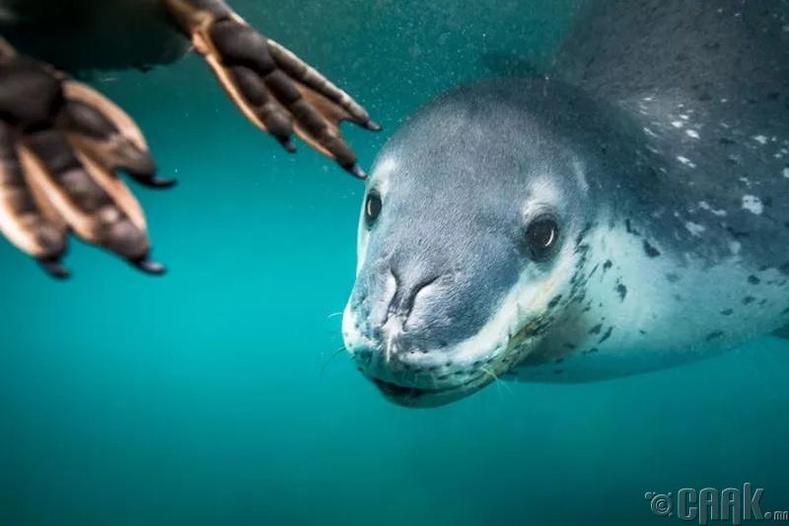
(459, 242)
(606, 220)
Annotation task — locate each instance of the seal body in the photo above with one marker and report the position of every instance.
(658, 148)
(93, 34)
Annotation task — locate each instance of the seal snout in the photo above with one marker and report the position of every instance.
(399, 312)
(403, 324)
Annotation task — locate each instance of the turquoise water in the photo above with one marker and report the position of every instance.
(214, 396)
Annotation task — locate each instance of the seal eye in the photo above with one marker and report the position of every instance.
(542, 235)
(372, 207)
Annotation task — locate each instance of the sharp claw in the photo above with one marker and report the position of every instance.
(145, 264)
(288, 144)
(159, 182)
(153, 181)
(355, 170)
(54, 268)
(373, 126)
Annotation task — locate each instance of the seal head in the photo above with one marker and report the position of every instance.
(466, 243)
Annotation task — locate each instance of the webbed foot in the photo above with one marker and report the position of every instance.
(61, 143)
(276, 91)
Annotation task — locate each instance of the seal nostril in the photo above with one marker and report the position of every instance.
(406, 291)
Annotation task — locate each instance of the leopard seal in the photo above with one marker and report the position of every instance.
(626, 212)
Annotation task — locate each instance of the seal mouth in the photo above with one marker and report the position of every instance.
(422, 397)
(399, 391)
(479, 373)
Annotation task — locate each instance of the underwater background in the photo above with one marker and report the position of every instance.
(215, 395)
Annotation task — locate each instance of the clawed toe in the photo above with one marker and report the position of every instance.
(288, 144)
(356, 171)
(54, 268)
(153, 181)
(373, 126)
(148, 266)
